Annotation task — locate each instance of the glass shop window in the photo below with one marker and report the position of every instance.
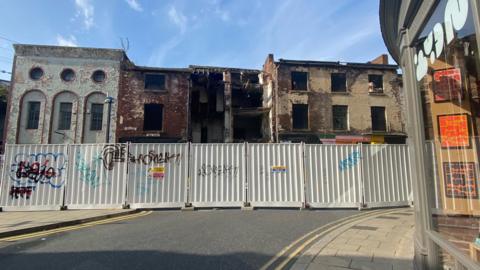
(447, 72)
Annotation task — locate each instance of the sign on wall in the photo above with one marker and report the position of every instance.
(460, 180)
(447, 85)
(454, 131)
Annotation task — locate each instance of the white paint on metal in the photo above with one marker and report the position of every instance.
(275, 175)
(157, 175)
(333, 175)
(34, 177)
(217, 173)
(97, 176)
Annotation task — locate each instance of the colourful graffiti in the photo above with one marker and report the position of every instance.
(87, 170)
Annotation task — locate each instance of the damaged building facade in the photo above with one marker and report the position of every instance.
(58, 95)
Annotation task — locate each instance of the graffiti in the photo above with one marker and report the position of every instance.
(44, 168)
(154, 158)
(217, 170)
(87, 171)
(113, 153)
(23, 192)
(279, 169)
(350, 161)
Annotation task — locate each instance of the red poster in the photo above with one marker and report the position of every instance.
(454, 130)
(447, 85)
(460, 180)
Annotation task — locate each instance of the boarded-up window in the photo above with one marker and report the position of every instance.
(33, 114)
(339, 82)
(65, 116)
(153, 118)
(340, 117)
(378, 119)
(96, 116)
(300, 116)
(299, 80)
(155, 81)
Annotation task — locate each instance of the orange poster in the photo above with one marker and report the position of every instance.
(454, 131)
(447, 85)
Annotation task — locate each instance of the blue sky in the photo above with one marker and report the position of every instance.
(176, 33)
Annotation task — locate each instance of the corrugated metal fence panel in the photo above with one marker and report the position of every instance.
(386, 175)
(157, 175)
(34, 177)
(275, 175)
(217, 173)
(97, 176)
(333, 175)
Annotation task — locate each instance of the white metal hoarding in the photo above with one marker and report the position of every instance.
(275, 175)
(217, 173)
(157, 175)
(97, 176)
(386, 175)
(333, 175)
(34, 177)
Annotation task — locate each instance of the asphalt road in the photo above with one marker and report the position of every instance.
(216, 239)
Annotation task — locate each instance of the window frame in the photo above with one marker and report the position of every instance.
(292, 81)
(36, 68)
(94, 121)
(65, 70)
(164, 89)
(162, 107)
(331, 82)
(347, 120)
(372, 88)
(61, 124)
(307, 113)
(104, 76)
(33, 125)
(384, 118)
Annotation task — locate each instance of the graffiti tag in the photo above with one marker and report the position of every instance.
(24, 192)
(113, 153)
(350, 161)
(217, 170)
(44, 168)
(154, 158)
(87, 170)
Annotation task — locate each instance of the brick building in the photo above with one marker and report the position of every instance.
(333, 102)
(59, 95)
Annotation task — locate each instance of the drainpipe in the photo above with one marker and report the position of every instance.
(109, 101)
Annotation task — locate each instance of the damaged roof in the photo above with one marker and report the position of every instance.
(335, 64)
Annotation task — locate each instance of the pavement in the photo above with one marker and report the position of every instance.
(382, 241)
(16, 223)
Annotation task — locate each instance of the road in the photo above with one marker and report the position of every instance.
(205, 239)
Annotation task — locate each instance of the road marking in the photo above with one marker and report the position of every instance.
(333, 224)
(74, 227)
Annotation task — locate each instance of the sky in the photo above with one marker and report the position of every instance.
(178, 33)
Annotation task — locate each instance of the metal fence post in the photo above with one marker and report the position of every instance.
(246, 203)
(126, 205)
(362, 178)
(188, 203)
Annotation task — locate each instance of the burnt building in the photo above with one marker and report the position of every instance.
(228, 105)
(334, 102)
(153, 104)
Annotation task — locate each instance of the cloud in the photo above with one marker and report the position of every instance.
(86, 9)
(178, 19)
(69, 41)
(134, 5)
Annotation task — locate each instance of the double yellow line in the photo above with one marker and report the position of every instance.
(74, 227)
(312, 236)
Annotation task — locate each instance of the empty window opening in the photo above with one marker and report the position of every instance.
(36, 73)
(247, 128)
(375, 83)
(68, 75)
(340, 117)
(379, 122)
(98, 76)
(242, 98)
(65, 116)
(339, 82)
(299, 80)
(155, 81)
(96, 116)
(300, 116)
(153, 117)
(33, 114)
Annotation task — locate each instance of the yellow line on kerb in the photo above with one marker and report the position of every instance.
(73, 227)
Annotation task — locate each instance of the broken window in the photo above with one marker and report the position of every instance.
(155, 81)
(378, 119)
(340, 117)
(339, 82)
(375, 83)
(65, 116)
(33, 114)
(153, 117)
(300, 116)
(96, 116)
(299, 80)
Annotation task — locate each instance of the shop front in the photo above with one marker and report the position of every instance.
(437, 45)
